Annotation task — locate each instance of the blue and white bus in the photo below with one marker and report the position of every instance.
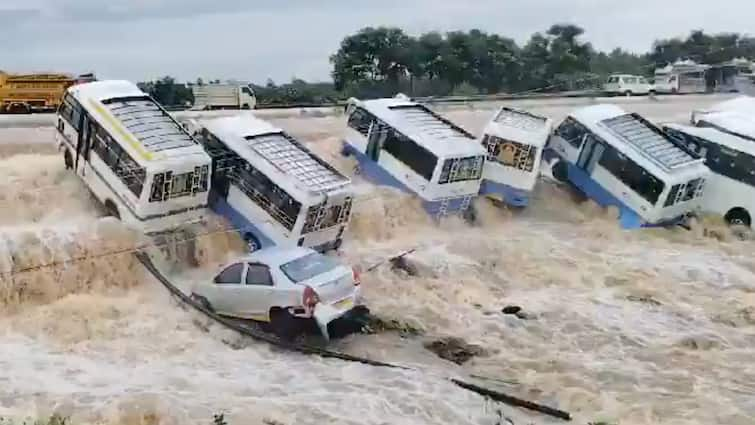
(620, 159)
(514, 140)
(730, 191)
(403, 144)
(272, 188)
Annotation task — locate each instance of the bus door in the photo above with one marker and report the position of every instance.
(590, 154)
(83, 144)
(375, 140)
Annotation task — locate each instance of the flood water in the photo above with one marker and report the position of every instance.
(640, 327)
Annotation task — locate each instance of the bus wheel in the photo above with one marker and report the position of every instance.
(112, 210)
(738, 217)
(560, 171)
(68, 160)
(252, 242)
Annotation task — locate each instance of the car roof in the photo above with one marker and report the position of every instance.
(275, 256)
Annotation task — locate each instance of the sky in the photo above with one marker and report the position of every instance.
(253, 40)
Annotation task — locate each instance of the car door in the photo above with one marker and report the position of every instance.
(259, 291)
(227, 289)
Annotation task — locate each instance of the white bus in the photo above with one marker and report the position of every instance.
(134, 157)
(514, 140)
(735, 116)
(403, 144)
(730, 190)
(271, 187)
(622, 160)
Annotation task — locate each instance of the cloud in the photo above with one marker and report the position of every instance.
(257, 39)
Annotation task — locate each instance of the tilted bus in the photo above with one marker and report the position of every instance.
(514, 140)
(404, 144)
(730, 191)
(620, 159)
(274, 189)
(135, 158)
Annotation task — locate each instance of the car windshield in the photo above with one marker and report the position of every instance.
(307, 267)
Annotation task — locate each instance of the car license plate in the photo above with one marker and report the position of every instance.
(344, 304)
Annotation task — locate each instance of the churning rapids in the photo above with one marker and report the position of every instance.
(642, 327)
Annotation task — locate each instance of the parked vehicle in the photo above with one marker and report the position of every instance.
(622, 160)
(272, 188)
(681, 77)
(730, 190)
(514, 140)
(35, 92)
(223, 96)
(405, 145)
(627, 85)
(285, 287)
(135, 158)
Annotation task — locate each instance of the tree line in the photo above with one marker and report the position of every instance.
(382, 61)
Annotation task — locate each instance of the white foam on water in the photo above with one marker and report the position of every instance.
(641, 327)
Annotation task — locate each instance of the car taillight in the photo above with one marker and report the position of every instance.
(310, 297)
(355, 275)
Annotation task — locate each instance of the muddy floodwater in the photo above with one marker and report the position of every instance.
(641, 327)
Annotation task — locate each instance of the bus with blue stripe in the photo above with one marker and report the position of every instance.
(403, 144)
(514, 140)
(271, 187)
(620, 159)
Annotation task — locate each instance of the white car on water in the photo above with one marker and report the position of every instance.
(286, 287)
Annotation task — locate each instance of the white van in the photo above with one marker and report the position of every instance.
(627, 85)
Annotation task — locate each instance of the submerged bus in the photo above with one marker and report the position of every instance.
(514, 140)
(735, 117)
(405, 145)
(272, 188)
(135, 158)
(620, 159)
(730, 190)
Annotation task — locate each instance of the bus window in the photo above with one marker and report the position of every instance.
(632, 175)
(414, 156)
(572, 131)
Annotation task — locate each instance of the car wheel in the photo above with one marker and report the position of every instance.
(628, 93)
(738, 217)
(202, 301)
(283, 324)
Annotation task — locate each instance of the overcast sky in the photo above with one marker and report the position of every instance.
(259, 39)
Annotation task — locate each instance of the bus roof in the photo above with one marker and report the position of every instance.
(248, 135)
(631, 132)
(717, 137)
(523, 124)
(439, 135)
(150, 131)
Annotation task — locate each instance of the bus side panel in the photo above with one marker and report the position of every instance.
(721, 194)
(239, 214)
(507, 194)
(584, 182)
(372, 170)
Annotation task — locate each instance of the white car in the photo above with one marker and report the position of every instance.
(286, 287)
(628, 85)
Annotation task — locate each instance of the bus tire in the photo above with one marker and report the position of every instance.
(68, 160)
(738, 217)
(252, 241)
(283, 324)
(111, 209)
(560, 171)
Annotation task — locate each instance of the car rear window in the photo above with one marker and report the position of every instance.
(307, 267)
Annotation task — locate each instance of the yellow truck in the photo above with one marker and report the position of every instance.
(23, 94)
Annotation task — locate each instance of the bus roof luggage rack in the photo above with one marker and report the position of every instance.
(650, 141)
(430, 122)
(520, 119)
(154, 128)
(294, 159)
